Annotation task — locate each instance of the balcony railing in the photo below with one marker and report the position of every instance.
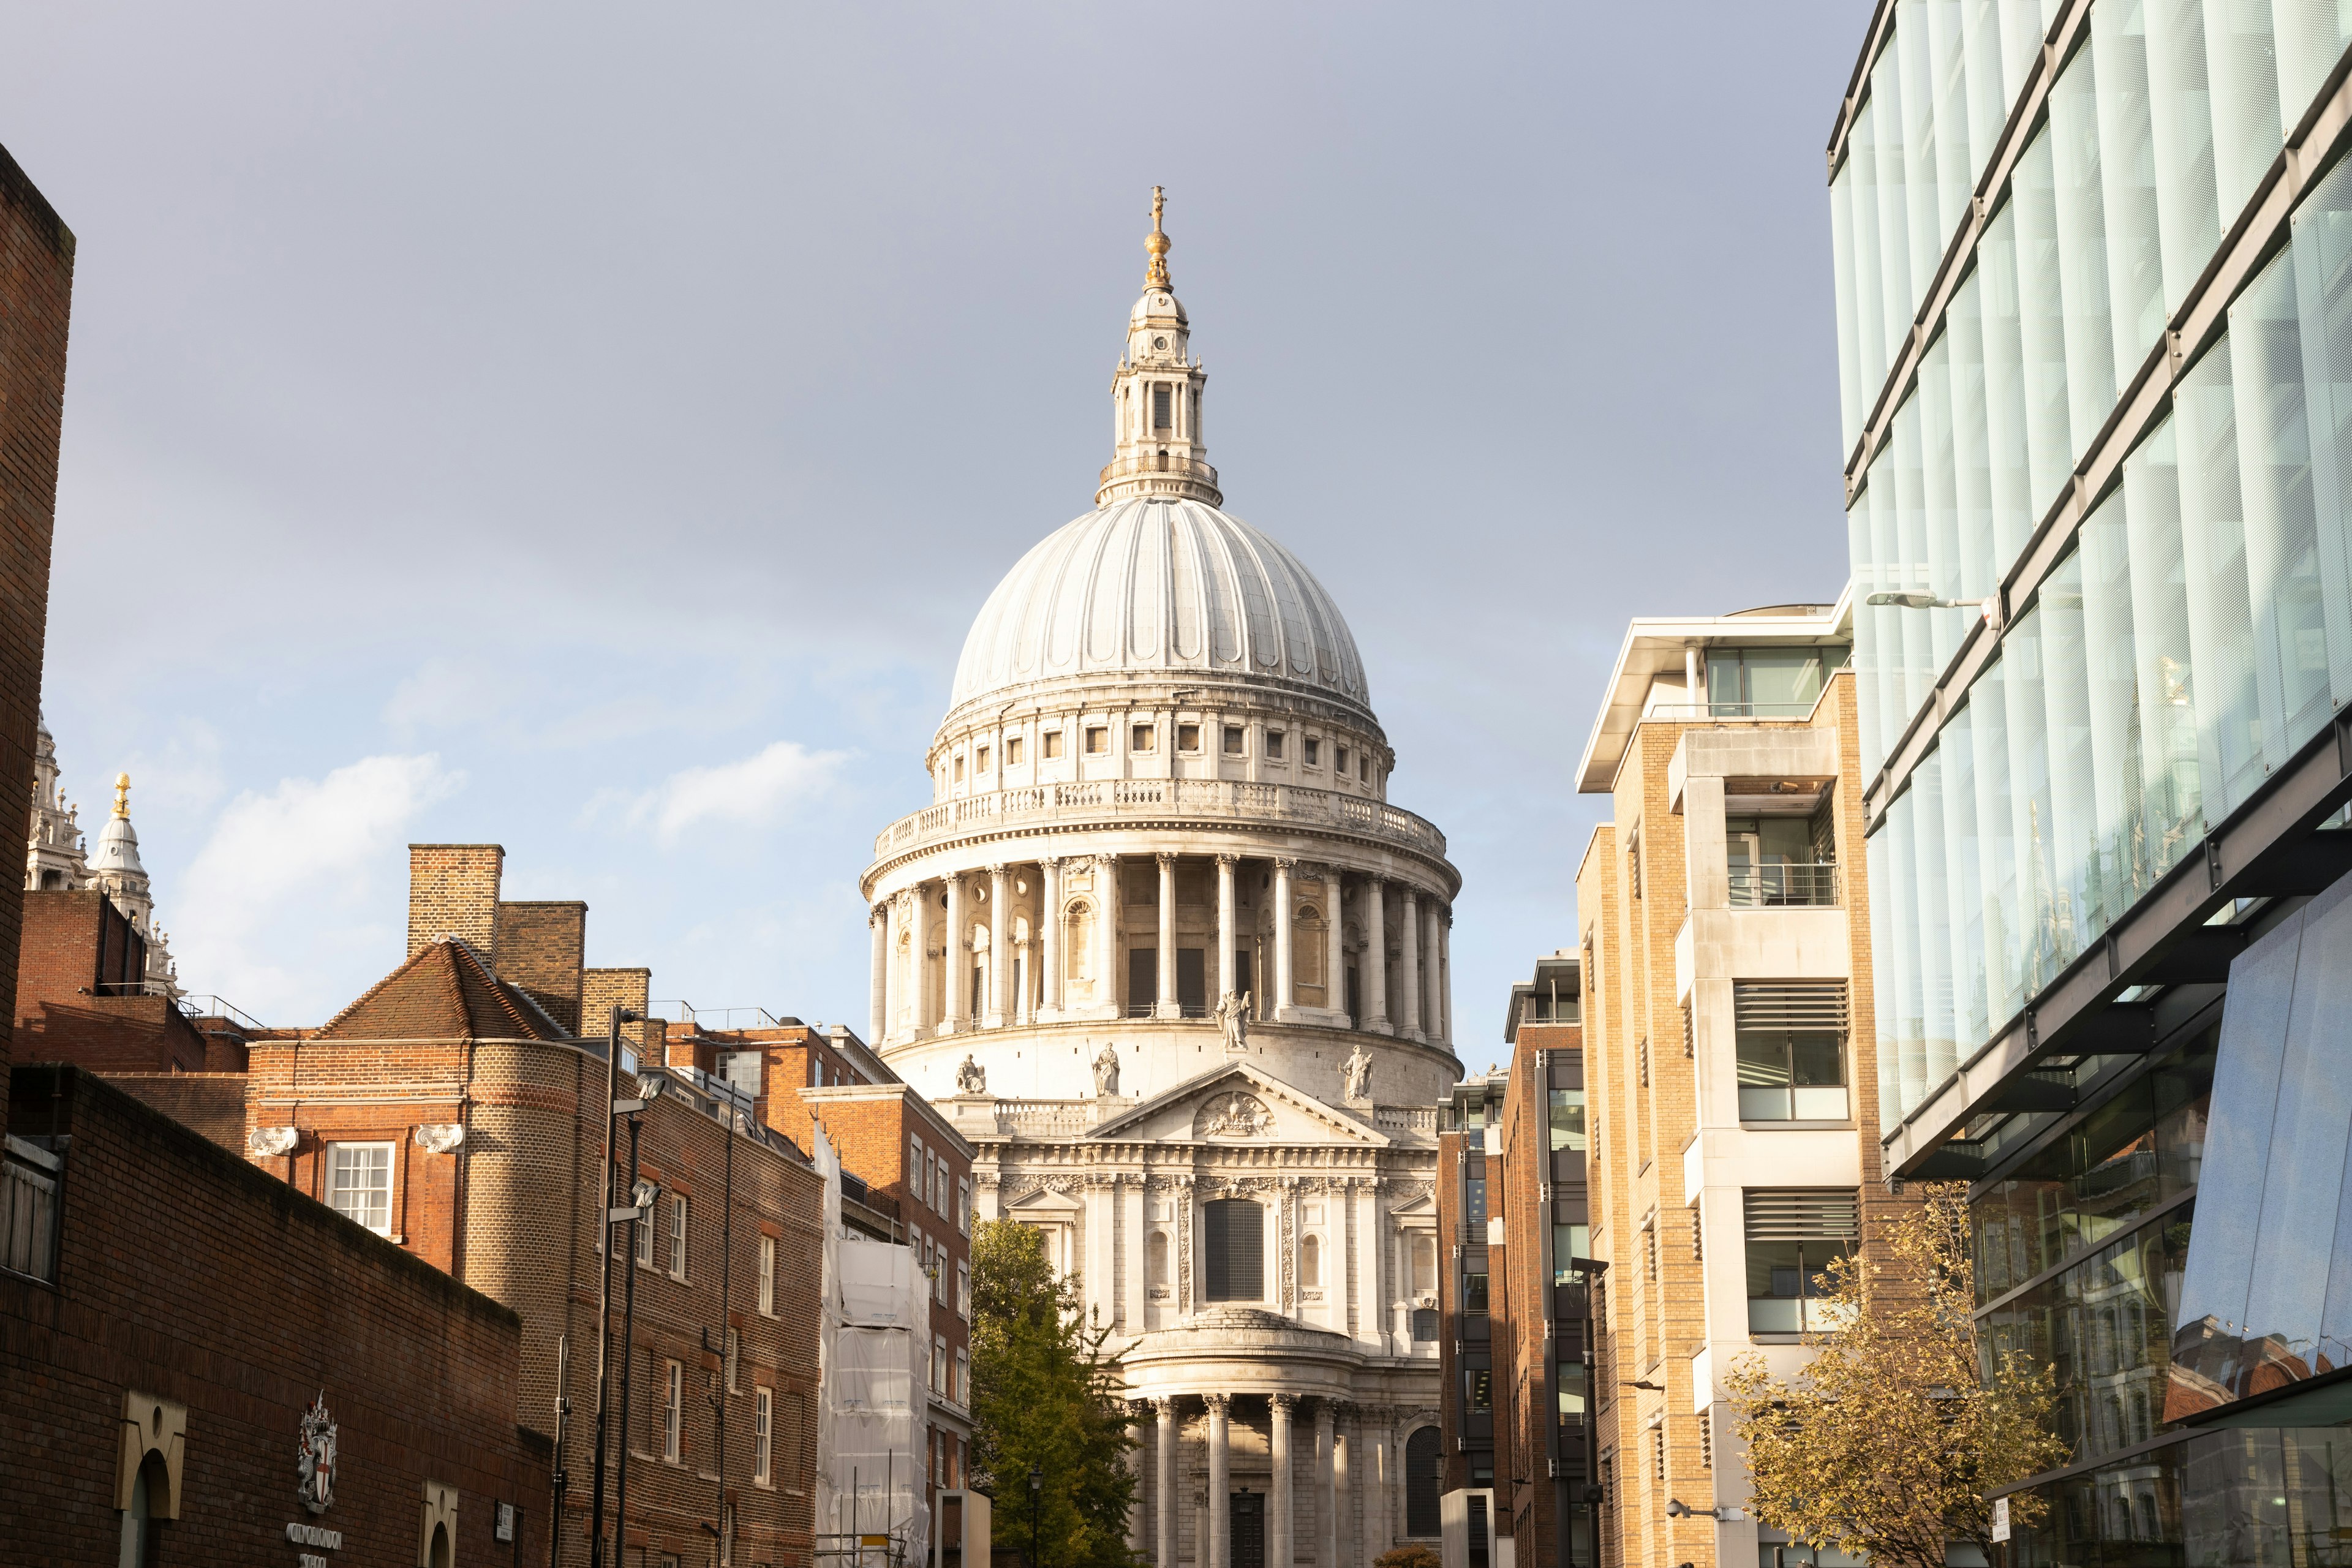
(1786, 884)
(1232, 800)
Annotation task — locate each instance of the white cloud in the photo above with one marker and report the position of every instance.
(754, 791)
(250, 925)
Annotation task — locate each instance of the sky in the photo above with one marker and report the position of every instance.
(593, 428)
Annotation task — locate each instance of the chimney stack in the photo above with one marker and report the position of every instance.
(453, 890)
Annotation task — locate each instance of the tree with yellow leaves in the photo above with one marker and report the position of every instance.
(1888, 1441)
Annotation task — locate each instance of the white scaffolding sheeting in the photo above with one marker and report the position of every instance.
(873, 1351)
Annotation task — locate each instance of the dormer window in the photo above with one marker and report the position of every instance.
(1160, 407)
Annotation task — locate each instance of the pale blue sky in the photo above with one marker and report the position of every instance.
(594, 429)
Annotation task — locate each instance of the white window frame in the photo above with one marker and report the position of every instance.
(767, 1275)
(964, 1204)
(673, 1409)
(336, 1189)
(680, 1213)
(764, 1433)
(963, 1289)
(643, 1230)
(962, 1394)
(940, 1378)
(918, 1169)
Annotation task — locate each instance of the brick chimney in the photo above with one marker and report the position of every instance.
(453, 890)
(540, 947)
(602, 990)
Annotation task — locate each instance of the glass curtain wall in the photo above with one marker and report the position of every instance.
(2197, 633)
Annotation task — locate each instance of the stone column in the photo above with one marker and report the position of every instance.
(1226, 934)
(1409, 968)
(1334, 948)
(1220, 1482)
(1166, 1006)
(958, 958)
(1165, 1490)
(1343, 1486)
(1278, 1546)
(1445, 968)
(1376, 954)
(1282, 997)
(1108, 894)
(1435, 1006)
(877, 920)
(920, 952)
(999, 948)
(1022, 983)
(1135, 1412)
(1379, 1469)
(1049, 935)
(1327, 1506)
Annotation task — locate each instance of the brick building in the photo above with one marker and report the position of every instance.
(1722, 916)
(37, 258)
(906, 1175)
(1473, 1434)
(457, 1108)
(160, 1371)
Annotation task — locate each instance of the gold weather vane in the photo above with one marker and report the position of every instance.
(1157, 277)
(122, 795)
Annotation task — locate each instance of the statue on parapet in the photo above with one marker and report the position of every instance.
(972, 1078)
(1232, 1020)
(1356, 1075)
(1106, 1070)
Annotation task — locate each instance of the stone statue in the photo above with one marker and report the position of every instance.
(972, 1078)
(1106, 1070)
(1232, 1020)
(1356, 1075)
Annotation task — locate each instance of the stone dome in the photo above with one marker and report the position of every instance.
(1160, 588)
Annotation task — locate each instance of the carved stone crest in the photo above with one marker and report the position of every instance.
(1233, 1115)
(315, 1456)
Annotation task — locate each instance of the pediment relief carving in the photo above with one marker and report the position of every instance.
(1232, 1115)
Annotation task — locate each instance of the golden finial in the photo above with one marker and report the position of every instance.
(1156, 276)
(122, 795)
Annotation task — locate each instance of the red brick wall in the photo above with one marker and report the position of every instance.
(540, 948)
(245, 1318)
(453, 890)
(37, 258)
(212, 1103)
(111, 1035)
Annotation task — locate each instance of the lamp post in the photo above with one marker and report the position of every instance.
(1036, 1490)
(604, 1284)
(642, 1196)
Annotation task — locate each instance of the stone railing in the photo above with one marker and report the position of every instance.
(1230, 800)
(1421, 1122)
(1046, 1117)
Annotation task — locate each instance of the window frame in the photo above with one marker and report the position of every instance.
(763, 1436)
(767, 1275)
(1051, 742)
(673, 1412)
(681, 1214)
(390, 1148)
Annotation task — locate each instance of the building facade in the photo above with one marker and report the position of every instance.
(1722, 913)
(1177, 970)
(58, 860)
(2092, 361)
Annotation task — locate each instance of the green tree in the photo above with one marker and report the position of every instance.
(1045, 1395)
(1888, 1441)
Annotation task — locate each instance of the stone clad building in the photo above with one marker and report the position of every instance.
(1178, 970)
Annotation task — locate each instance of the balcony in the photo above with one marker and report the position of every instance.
(1787, 884)
(1121, 802)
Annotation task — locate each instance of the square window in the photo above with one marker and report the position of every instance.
(1052, 738)
(980, 763)
(359, 1184)
(1144, 739)
(1233, 740)
(1364, 767)
(1013, 751)
(959, 770)
(1313, 752)
(1098, 741)
(1274, 745)
(1188, 737)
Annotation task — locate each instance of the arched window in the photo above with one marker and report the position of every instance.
(139, 1526)
(1155, 1259)
(1310, 1263)
(1233, 1238)
(1420, 1483)
(1424, 1263)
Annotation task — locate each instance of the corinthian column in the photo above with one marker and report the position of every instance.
(1135, 1411)
(1446, 973)
(1376, 955)
(1108, 895)
(1279, 1548)
(1000, 949)
(1343, 1485)
(1326, 1504)
(1049, 933)
(1166, 1003)
(1335, 944)
(958, 958)
(1226, 935)
(1409, 968)
(1282, 997)
(1164, 1492)
(877, 1009)
(1220, 1482)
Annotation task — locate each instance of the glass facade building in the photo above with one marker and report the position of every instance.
(2094, 281)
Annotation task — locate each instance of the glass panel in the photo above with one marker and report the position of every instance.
(2181, 138)
(2080, 208)
(1568, 1118)
(2134, 257)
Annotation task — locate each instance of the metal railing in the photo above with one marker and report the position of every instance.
(1688, 710)
(215, 1007)
(1213, 799)
(1794, 883)
(721, 1018)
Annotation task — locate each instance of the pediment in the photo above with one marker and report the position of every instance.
(1236, 1104)
(1044, 1201)
(1418, 1207)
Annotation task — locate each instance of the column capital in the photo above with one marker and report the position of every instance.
(997, 868)
(1227, 860)
(1286, 862)
(1285, 1403)
(1163, 1405)
(1218, 1404)
(1167, 858)
(1049, 863)
(879, 913)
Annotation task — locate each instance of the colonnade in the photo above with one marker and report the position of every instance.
(1025, 978)
(1356, 1448)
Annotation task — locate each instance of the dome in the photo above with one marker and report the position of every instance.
(1160, 588)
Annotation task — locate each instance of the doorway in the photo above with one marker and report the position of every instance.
(1246, 1531)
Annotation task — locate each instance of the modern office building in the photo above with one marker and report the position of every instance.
(1733, 1114)
(2094, 350)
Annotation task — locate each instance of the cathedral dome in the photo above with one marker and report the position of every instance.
(1159, 589)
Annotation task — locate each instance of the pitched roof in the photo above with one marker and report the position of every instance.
(445, 992)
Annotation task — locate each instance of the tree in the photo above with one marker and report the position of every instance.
(1414, 1555)
(1889, 1439)
(1045, 1395)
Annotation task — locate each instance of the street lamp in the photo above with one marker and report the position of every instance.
(1036, 1490)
